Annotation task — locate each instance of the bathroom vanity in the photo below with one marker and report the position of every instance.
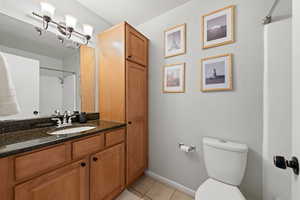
(39, 161)
(86, 165)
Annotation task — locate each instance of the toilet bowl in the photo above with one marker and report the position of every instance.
(215, 190)
(225, 164)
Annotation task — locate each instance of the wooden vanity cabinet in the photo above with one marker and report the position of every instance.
(107, 173)
(123, 90)
(96, 171)
(67, 183)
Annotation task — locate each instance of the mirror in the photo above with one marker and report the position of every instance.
(45, 69)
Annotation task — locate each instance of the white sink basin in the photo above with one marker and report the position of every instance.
(72, 130)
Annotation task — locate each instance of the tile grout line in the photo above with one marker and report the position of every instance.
(172, 194)
(143, 195)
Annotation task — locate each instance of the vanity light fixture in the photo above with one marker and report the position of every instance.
(88, 31)
(47, 12)
(66, 28)
(70, 24)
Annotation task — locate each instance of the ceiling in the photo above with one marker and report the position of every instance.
(134, 12)
(20, 35)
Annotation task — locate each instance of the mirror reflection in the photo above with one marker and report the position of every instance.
(43, 70)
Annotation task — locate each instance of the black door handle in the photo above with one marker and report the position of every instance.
(282, 163)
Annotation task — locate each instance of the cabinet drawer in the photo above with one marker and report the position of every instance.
(114, 137)
(87, 146)
(33, 163)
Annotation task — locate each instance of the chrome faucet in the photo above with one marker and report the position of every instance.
(67, 119)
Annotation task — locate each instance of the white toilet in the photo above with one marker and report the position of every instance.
(225, 164)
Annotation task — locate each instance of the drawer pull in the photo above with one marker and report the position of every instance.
(95, 159)
(83, 164)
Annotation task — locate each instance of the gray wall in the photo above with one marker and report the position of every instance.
(234, 115)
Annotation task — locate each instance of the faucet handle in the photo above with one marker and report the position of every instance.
(58, 120)
(56, 112)
(68, 113)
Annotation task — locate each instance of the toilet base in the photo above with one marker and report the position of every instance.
(215, 190)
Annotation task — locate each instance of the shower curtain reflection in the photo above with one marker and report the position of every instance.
(57, 91)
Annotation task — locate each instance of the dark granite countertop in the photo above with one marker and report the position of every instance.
(22, 141)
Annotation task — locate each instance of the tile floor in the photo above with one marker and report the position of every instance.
(147, 188)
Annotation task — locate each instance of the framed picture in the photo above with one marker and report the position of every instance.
(175, 41)
(216, 73)
(218, 27)
(174, 78)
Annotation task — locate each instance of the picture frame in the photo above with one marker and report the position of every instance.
(216, 73)
(218, 27)
(174, 78)
(175, 41)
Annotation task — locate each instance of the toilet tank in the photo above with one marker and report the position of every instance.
(224, 160)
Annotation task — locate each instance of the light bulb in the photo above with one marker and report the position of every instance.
(88, 29)
(70, 21)
(47, 9)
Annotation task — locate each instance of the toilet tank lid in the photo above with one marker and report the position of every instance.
(225, 145)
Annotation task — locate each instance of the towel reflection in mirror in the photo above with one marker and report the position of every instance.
(8, 100)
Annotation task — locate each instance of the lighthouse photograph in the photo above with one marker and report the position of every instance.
(217, 73)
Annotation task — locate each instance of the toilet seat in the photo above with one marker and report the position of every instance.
(215, 190)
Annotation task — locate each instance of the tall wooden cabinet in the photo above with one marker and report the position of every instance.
(123, 90)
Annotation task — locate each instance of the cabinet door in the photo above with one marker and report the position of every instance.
(136, 94)
(107, 173)
(67, 183)
(136, 46)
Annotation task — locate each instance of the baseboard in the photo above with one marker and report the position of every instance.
(171, 183)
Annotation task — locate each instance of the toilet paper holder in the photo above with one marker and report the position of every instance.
(186, 148)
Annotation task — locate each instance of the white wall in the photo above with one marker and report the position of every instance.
(51, 95)
(69, 93)
(277, 108)
(236, 115)
(45, 61)
(72, 63)
(295, 93)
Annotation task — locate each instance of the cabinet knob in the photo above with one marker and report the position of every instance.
(130, 122)
(83, 164)
(95, 159)
(130, 56)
